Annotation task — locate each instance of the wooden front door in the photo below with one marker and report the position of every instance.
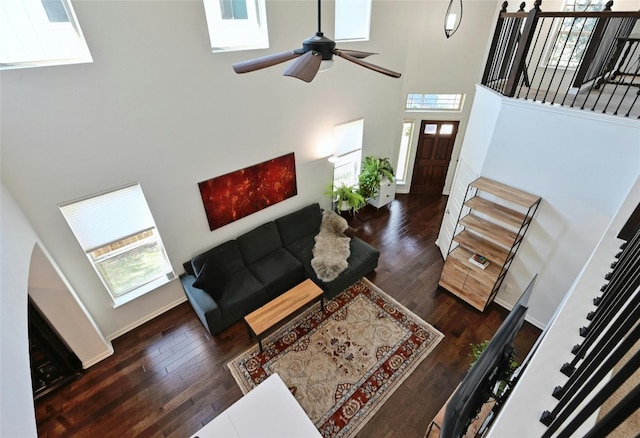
(435, 145)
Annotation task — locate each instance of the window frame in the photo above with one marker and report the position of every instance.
(349, 138)
(404, 150)
(29, 39)
(573, 62)
(351, 159)
(227, 35)
(412, 103)
(352, 20)
(127, 226)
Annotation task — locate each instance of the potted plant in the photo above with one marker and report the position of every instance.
(374, 169)
(476, 352)
(347, 198)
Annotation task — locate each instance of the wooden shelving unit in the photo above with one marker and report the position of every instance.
(495, 220)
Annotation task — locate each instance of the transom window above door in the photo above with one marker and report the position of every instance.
(434, 102)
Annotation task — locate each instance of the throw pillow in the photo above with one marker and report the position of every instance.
(211, 279)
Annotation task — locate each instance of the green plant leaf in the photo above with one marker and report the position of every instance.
(373, 170)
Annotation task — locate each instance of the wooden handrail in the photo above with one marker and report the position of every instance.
(564, 14)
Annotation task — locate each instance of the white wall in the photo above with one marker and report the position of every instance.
(26, 267)
(62, 308)
(479, 134)
(476, 141)
(582, 165)
(156, 106)
(16, 400)
(437, 65)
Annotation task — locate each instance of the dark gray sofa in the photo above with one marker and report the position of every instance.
(229, 281)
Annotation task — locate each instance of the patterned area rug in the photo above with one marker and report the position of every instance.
(344, 363)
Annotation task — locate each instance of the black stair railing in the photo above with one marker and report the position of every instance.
(584, 60)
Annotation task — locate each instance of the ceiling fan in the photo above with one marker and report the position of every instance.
(315, 49)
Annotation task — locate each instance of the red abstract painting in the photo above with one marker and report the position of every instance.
(238, 194)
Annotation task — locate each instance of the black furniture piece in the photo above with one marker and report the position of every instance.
(53, 364)
(480, 383)
(229, 281)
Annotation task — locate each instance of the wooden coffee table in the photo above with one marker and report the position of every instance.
(275, 311)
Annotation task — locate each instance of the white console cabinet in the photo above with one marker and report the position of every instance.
(386, 193)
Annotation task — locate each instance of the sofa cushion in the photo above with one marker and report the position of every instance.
(302, 249)
(227, 256)
(212, 279)
(278, 271)
(362, 254)
(242, 294)
(300, 223)
(259, 242)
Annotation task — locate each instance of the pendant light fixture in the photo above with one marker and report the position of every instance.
(452, 19)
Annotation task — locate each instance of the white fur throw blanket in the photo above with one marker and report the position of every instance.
(331, 250)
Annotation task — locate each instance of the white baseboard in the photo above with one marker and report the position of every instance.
(147, 318)
(98, 358)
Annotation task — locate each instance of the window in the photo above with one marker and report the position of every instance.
(237, 24)
(40, 32)
(118, 234)
(348, 153)
(347, 169)
(434, 102)
(55, 11)
(446, 129)
(573, 34)
(432, 128)
(234, 9)
(403, 153)
(352, 20)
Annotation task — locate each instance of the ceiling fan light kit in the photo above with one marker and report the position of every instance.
(326, 65)
(315, 55)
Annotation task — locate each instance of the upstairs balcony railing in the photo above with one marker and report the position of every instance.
(584, 60)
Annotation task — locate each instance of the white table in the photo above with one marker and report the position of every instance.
(269, 410)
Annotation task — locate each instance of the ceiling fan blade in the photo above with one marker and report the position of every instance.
(265, 61)
(306, 67)
(355, 60)
(357, 53)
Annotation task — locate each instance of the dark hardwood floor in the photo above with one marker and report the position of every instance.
(168, 377)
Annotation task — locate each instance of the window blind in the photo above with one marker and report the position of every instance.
(108, 217)
(348, 137)
(352, 19)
